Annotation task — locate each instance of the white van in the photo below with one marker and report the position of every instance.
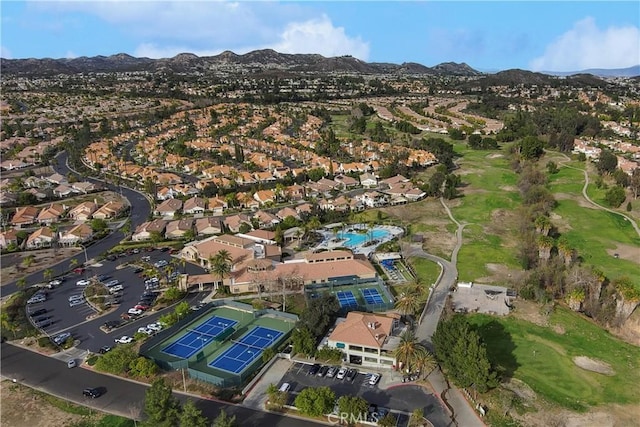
(285, 387)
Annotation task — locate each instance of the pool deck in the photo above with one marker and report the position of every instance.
(331, 242)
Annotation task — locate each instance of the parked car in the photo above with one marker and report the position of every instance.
(374, 379)
(61, 338)
(341, 373)
(115, 289)
(112, 283)
(76, 302)
(75, 297)
(160, 264)
(36, 299)
(91, 392)
(313, 370)
(138, 270)
(54, 283)
(71, 363)
(323, 371)
(44, 323)
(110, 324)
(331, 372)
(285, 387)
(351, 374)
(102, 277)
(125, 339)
(104, 349)
(155, 327)
(83, 282)
(134, 311)
(38, 312)
(145, 330)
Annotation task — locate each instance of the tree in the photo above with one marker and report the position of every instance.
(277, 399)
(220, 264)
(303, 341)
(531, 148)
(388, 421)
(191, 416)
(315, 401)
(615, 196)
(224, 420)
(607, 162)
(161, 407)
(28, 261)
(634, 182)
(319, 314)
(21, 283)
(409, 303)
(118, 361)
(143, 367)
(409, 351)
(461, 353)
(354, 407)
(98, 225)
(417, 418)
(47, 274)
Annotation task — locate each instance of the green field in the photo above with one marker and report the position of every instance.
(427, 271)
(543, 358)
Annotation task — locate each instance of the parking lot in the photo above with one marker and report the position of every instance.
(59, 313)
(400, 399)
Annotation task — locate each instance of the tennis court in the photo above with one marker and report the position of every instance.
(346, 299)
(244, 351)
(198, 338)
(372, 296)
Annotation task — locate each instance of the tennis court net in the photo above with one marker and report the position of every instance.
(195, 331)
(248, 345)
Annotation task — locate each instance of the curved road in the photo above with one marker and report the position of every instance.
(122, 397)
(140, 209)
(588, 199)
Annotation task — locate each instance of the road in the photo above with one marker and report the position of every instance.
(140, 209)
(122, 397)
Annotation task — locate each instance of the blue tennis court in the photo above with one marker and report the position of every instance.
(372, 296)
(199, 337)
(247, 349)
(346, 299)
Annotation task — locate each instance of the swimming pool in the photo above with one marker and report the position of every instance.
(355, 239)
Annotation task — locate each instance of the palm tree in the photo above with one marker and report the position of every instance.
(220, 264)
(47, 274)
(28, 261)
(409, 351)
(73, 263)
(409, 303)
(545, 244)
(425, 363)
(543, 225)
(565, 250)
(21, 283)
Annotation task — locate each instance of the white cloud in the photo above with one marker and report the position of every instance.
(166, 28)
(587, 46)
(320, 36)
(5, 53)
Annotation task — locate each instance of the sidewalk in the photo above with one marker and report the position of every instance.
(257, 396)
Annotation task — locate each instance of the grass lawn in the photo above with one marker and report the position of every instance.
(427, 271)
(479, 249)
(543, 358)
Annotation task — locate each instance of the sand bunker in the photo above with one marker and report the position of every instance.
(593, 365)
(628, 252)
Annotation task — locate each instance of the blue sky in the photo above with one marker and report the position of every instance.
(536, 35)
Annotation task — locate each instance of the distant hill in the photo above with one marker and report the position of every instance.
(601, 72)
(255, 61)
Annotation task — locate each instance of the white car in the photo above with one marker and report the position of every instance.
(83, 282)
(124, 340)
(36, 299)
(74, 302)
(145, 330)
(116, 288)
(156, 327)
(110, 283)
(54, 283)
(374, 379)
(135, 311)
(341, 373)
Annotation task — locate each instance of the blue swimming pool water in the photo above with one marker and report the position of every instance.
(355, 239)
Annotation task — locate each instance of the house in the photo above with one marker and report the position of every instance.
(265, 196)
(51, 214)
(146, 230)
(8, 238)
(370, 339)
(234, 222)
(38, 193)
(287, 212)
(345, 182)
(41, 238)
(265, 219)
(178, 229)
(169, 208)
(261, 236)
(208, 225)
(373, 199)
(56, 178)
(194, 205)
(83, 211)
(24, 216)
(84, 187)
(217, 205)
(165, 193)
(294, 192)
(109, 210)
(78, 234)
(368, 180)
(63, 190)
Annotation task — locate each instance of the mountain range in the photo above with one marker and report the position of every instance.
(265, 60)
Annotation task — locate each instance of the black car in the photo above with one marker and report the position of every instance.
(165, 249)
(38, 312)
(91, 392)
(111, 257)
(138, 270)
(313, 369)
(351, 374)
(323, 371)
(104, 349)
(110, 324)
